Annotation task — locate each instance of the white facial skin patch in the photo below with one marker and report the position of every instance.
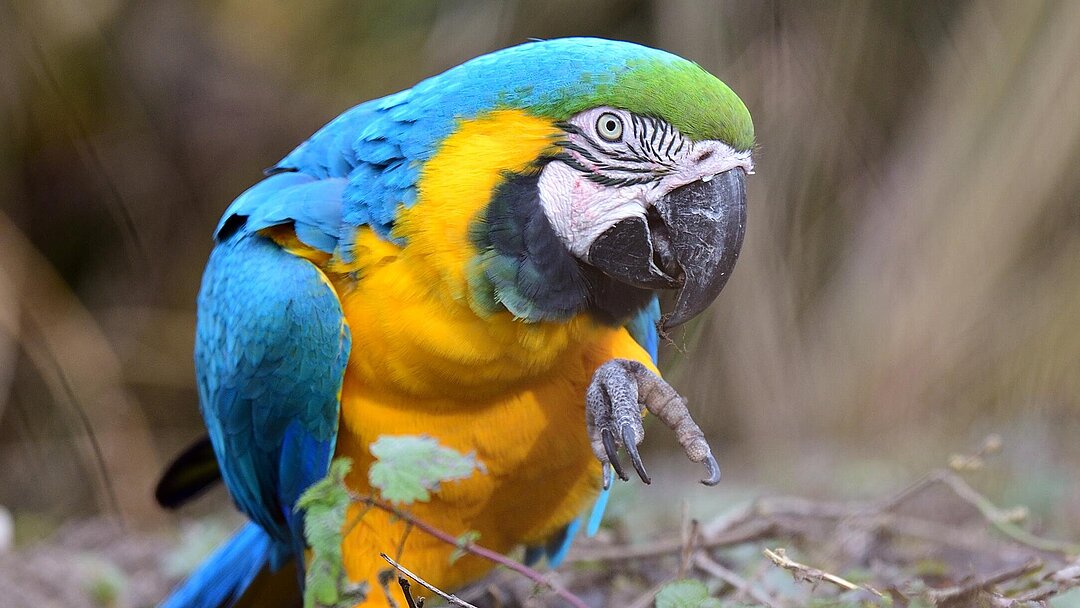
(580, 209)
(599, 181)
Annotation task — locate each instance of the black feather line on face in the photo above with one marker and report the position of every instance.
(587, 155)
(552, 283)
(638, 154)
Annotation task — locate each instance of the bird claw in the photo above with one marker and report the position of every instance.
(714, 471)
(632, 451)
(619, 390)
(612, 452)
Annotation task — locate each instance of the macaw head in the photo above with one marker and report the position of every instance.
(648, 203)
(645, 181)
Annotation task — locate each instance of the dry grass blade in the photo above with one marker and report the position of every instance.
(72, 354)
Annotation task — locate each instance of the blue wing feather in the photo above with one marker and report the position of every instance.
(271, 349)
(270, 353)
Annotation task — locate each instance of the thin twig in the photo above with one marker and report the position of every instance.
(960, 592)
(756, 530)
(999, 519)
(452, 599)
(1060, 581)
(686, 556)
(475, 549)
(716, 569)
(804, 572)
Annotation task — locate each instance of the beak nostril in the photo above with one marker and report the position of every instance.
(706, 155)
(663, 255)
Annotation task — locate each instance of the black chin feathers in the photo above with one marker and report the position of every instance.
(524, 267)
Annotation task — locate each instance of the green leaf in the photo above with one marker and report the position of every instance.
(687, 593)
(325, 504)
(410, 467)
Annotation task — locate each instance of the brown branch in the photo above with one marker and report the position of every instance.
(475, 549)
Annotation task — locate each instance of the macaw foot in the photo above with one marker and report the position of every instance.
(618, 390)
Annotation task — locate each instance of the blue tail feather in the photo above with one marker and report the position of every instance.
(558, 547)
(222, 578)
(598, 511)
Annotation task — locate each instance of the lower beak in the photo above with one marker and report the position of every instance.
(692, 245)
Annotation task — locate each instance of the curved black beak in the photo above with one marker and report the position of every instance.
(706, 221)
(691, 241)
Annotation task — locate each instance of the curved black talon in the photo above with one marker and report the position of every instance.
(714, 471)
(613, 453)
(631, 449)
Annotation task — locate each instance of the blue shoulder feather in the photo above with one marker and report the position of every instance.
(311, 204)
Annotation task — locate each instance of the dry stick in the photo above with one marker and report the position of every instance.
(1061, 581)
(752, 531)
(962, 591)
(780, 558)
(999, 519)
(452, 599)
(991, 512)
(710, 566)
(990, 445)
(688, 549)
(476, 550)
(867, 516)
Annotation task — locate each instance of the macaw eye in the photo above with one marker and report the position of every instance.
(609, 126)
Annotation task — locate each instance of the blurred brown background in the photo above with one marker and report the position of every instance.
(910, 280)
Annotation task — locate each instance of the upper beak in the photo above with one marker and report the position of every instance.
(693, 244)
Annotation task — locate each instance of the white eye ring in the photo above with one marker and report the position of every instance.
(609, 126)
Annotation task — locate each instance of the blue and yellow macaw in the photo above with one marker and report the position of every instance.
(475, 259)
